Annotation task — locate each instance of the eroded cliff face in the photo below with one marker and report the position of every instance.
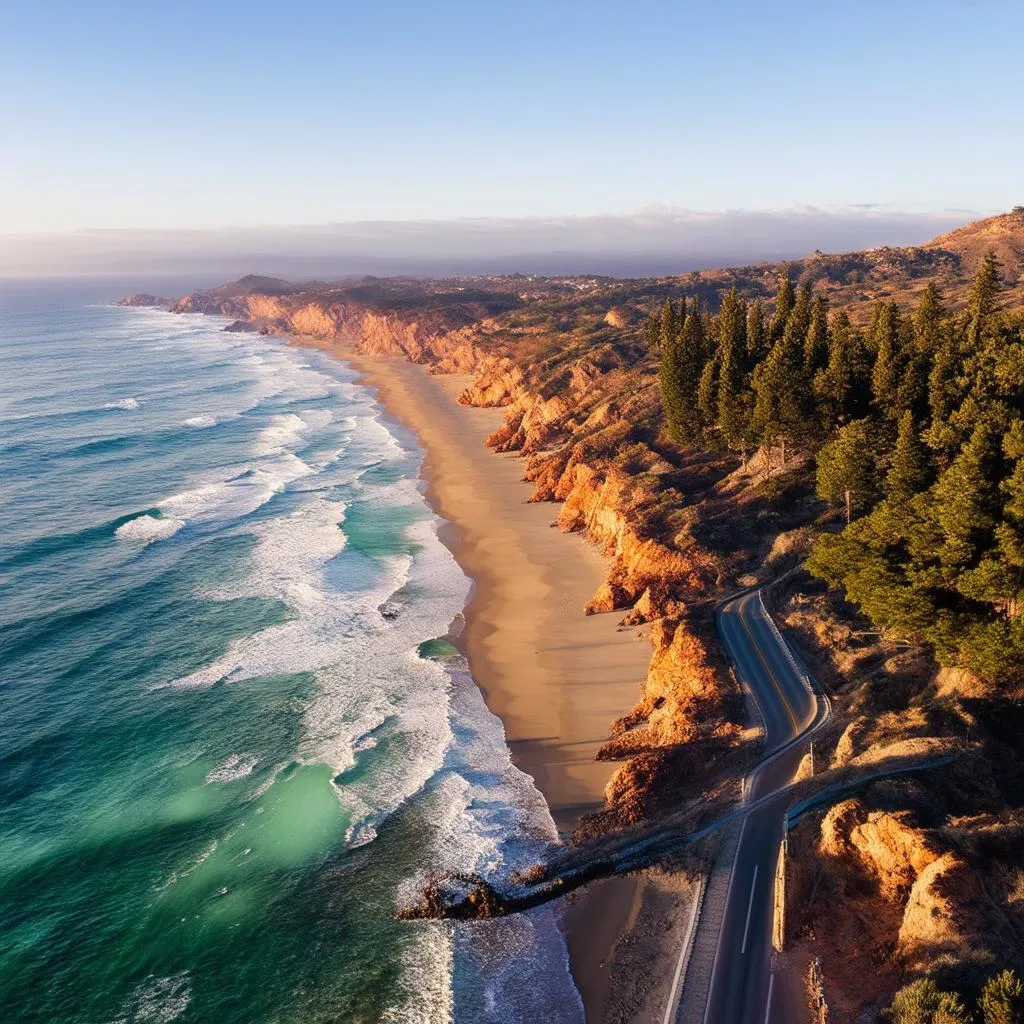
(937, 897)
(578, 448)
(372, 332)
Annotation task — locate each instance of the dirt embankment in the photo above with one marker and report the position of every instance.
(918, 875)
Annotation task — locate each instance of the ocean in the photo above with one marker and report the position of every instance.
(234, 732)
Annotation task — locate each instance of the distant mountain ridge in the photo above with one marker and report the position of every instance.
(851, 280)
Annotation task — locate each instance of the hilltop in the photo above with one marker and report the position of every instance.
(851, 281)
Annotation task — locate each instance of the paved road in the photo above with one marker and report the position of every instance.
(743, 989)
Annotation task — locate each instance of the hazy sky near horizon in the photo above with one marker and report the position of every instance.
(140, 115)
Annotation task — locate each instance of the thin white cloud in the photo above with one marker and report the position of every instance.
(650, 241)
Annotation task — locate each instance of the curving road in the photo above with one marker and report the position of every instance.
(743, 988)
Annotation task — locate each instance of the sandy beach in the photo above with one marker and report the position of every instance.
(555, 677)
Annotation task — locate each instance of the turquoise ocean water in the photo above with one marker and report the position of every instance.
(227, 747)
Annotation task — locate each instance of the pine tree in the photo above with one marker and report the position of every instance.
(757, 335)
(733, 408)
(1002, 999)
(799, 322)
(816, 347)
(846, 467)
(707, 393)
(669, 323)
(945, 394)
(782, 394)
(841, 388)
(929, 320)
(984, 298)
(889, 364)
(785, 300)
(965, 503)
(912, 390)
(909, 470)
(652, 332)
(1010, 532)
(681, 367)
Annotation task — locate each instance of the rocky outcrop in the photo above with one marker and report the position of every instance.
(941, 912)
(144, 300)
(684, 698)
(886, 845)
(935, 893)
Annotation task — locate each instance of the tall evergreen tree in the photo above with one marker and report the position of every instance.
(672, 377)
(889, 363)
(652, 332)
(841, 388)
(846, 467)
(670, 322)
(799, 322)
(785, 300)
(1010, 532)
(984, 298)
(929, 320)
(707, 394)
(757, 335)
(966, 503)
(733, 411)
(945, 394)
(909, 470)
(782, 394)
(816, 347)
(681, 369)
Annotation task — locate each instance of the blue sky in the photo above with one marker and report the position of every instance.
(154, 115)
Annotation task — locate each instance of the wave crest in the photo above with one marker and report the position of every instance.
(147, 528)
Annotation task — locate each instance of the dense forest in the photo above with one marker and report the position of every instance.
(917, 427)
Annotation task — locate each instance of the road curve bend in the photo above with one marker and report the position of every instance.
(743, 988)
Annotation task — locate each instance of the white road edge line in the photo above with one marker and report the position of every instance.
(750, 907)
(684, 953)
(721, 924)
(808, 730)
(768, 1008)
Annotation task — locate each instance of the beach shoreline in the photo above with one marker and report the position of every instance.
(555, 677)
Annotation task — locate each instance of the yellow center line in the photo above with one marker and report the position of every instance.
(767, 668)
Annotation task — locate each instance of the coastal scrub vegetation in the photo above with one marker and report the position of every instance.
(1001, 1001)
(917, 426)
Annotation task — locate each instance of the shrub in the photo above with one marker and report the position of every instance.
(1002, 1000)
(923, 1002)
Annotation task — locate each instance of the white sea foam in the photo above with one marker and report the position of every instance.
(424, 993)
(123, 403)
(235, 767)
(200, 421)
(157, 1000)
(419, 729)
(147, 528)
